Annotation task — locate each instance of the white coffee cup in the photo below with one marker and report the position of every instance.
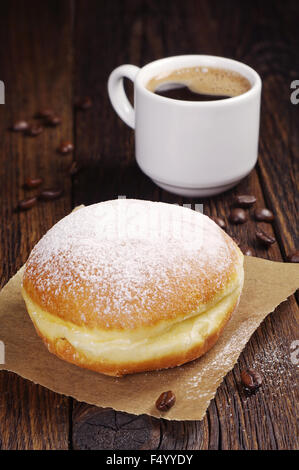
(191, 148)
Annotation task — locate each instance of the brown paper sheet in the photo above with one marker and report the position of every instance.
(267, 284)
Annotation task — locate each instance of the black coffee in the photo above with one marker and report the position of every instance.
(199, 84)
(185, 94)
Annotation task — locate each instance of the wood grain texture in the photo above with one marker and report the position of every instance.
(90, 39)
(35, 65)
(280, 118)
(150, 30)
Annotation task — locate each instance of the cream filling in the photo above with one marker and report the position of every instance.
(121, 346)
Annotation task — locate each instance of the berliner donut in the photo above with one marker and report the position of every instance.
(126, 286)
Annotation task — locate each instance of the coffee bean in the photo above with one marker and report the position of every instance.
(264, 237)
(165, 401)
(34, 130)
(237, 216)
(244, 200)
(33, 182)
(45, 113)
(251, 379)
(74, 168)
(26, 204)
(84, 103)
(247, 252)
(219, 221)
(293, 257)
(20, 126)
(263, 215)
(236, 240)
(53, 120)
(66, 147)
(50, 194)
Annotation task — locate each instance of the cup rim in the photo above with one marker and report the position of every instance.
(232, 64)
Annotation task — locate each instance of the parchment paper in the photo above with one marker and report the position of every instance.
(267, 284)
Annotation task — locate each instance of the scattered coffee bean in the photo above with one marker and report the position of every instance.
(247, 252)
(251, 379)
(50, 194)
(165, 401)
(34, 130)
(264, 237)
(236, 240)
(45, 113)
(264, 215)
(65, 147)
(293, 257)
(237, 216)
(74, 168)
(20, 126)
(84, 103)
(26, 204)
(53, 120)
(245, 200)
(219, 221)
(33, 182)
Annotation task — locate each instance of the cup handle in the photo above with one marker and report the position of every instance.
(117, 94)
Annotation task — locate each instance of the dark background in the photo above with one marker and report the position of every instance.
(52, 52)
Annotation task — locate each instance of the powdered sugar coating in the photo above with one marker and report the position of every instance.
(130, 263)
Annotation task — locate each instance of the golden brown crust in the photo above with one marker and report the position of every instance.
(64, 350)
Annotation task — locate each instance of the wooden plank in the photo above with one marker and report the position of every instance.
(267, 350)
(279, 167)
(31, 417)
(149, 30)
(36, 67)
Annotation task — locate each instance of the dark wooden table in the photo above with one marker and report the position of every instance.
(54, 51)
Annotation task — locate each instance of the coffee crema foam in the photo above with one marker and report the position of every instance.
(202, 80)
